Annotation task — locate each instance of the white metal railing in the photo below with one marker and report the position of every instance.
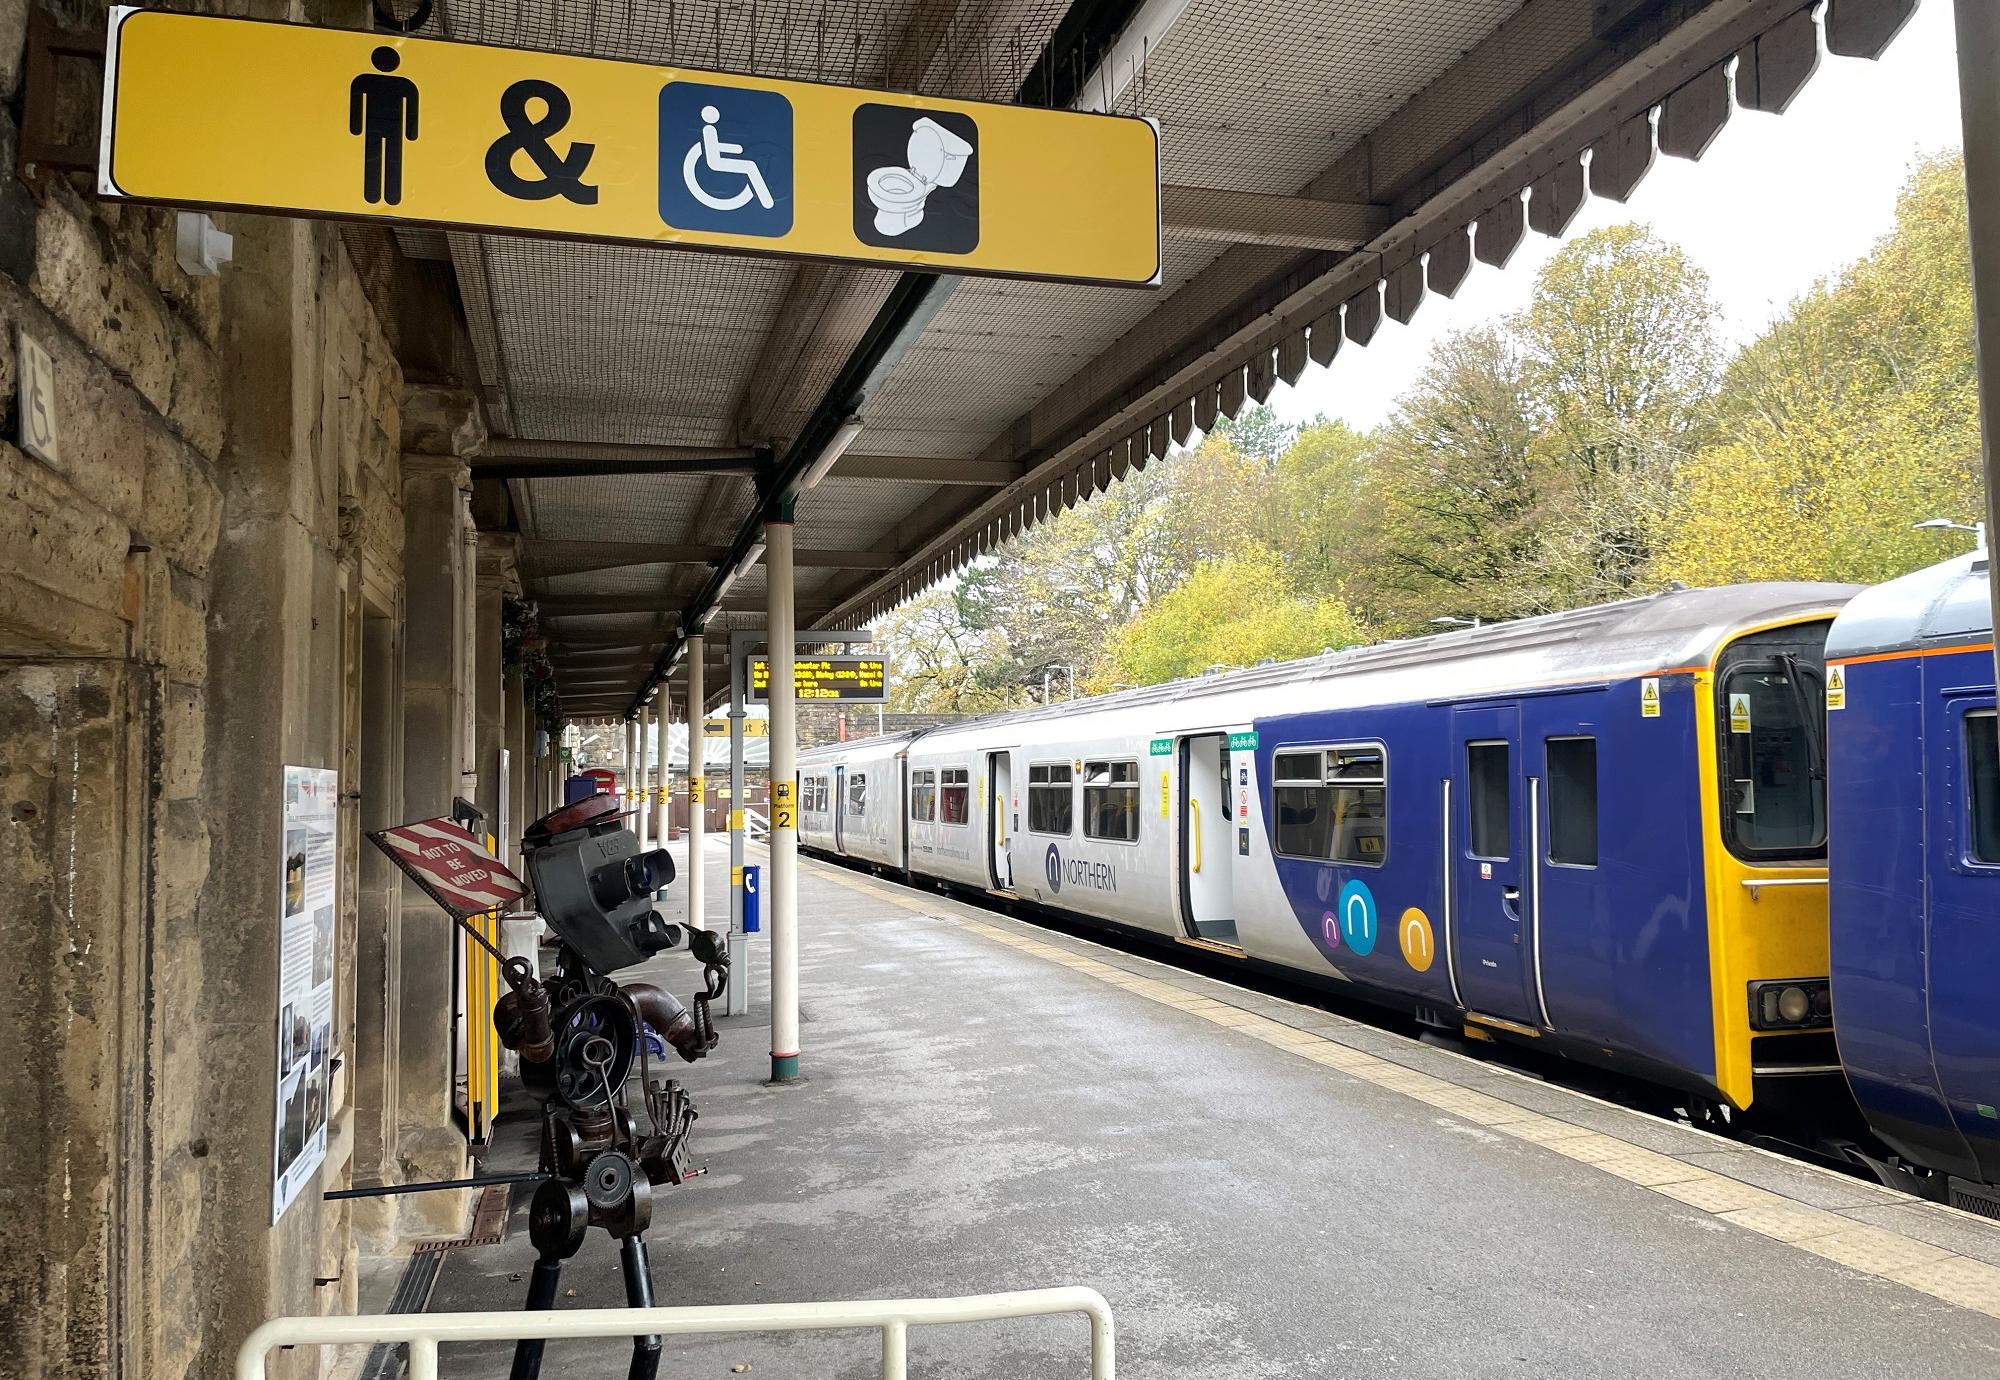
(757, 826)
(422, 1332)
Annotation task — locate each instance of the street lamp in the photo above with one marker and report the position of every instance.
(1939, 524)
(1448, 621)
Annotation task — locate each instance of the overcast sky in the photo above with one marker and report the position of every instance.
(1778, 202)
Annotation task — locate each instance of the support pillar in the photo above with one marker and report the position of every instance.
(437, 714)
(697, 835)
(781, 889)
(738, 997)
(643, 824)
(1979, 107)
(496, 571)
(520, 768)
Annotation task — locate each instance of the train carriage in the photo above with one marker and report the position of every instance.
(1603, 831)
(1915, 895)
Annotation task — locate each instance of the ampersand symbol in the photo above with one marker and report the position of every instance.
(561, 176)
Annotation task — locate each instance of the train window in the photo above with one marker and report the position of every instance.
(1982, 771)
(1303, 805)
(1489, 799)
(1111, 801)
(1050, 797)
(812, 794)
(923, 795)
(955, 795)
(1572, 801)
(1773, 717)
(1332, 805)
(857, 795)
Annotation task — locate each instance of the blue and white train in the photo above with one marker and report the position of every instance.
(1603, 832)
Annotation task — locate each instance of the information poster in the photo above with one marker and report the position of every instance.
(305, 979)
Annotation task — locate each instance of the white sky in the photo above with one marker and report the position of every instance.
(1778, 202)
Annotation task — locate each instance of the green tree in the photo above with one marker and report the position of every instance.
(1257, 433)
(1854, 416)
(1232, 612)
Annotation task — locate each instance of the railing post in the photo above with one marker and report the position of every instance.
(423, 1358)
(895, 1350)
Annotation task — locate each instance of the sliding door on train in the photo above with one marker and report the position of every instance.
(1207, 863)
(1490, 859)
(839, 809)
(1000, 818)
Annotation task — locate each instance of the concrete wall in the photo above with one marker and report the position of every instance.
(257, 552)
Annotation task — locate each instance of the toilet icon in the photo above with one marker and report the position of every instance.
(937, 158)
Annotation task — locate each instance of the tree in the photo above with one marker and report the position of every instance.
(937, 658)
(1256, 432)
(1854, 416)
(1232, 612)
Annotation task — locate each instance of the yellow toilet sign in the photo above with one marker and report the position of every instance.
(235, 113)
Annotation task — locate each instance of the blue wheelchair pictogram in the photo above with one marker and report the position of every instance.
(1357, 917)
(725, 159)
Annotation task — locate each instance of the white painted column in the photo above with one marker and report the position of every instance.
(697, 694)
(781, 888)
(648, 837)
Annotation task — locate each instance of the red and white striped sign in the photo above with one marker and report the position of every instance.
(451, 868)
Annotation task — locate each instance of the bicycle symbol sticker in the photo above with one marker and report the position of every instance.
(725, 159)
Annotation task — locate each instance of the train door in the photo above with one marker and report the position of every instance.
(839, 807)
(1492, 880)
(999, 819)
(1962, 941)
(1208, 889)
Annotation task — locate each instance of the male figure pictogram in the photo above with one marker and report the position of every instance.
(382, 109)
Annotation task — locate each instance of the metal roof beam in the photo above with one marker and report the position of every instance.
(584, 605)
(618, 555)
(989, 474)
(1293, 222)
(508, 457)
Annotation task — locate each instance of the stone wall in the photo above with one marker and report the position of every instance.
(195, 598)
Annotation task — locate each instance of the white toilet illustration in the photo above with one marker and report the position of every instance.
(937, 158)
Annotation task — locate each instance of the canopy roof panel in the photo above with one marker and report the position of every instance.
(1326, 163)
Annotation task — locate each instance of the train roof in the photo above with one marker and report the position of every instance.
(1658, 632)
(1936, 606)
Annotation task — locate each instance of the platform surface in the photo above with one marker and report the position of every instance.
(1258, 1188)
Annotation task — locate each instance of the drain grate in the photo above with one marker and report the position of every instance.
(489, 1224)
(413, 1295)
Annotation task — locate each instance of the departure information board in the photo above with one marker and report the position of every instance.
(847, 679)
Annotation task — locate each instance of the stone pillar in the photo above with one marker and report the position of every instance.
(437, 717)
(379, 934)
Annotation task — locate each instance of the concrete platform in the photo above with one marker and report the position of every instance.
(1259, 1189)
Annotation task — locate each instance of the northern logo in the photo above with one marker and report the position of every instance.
(1061, 872)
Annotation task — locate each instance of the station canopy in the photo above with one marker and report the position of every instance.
(1324, 163)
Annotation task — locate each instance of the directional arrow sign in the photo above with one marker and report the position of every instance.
(204, 111)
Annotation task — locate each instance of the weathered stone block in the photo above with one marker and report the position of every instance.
(61, 559)
(178, 631)
(99, 295)
(198, 408)
(182, 856)
(182, 738)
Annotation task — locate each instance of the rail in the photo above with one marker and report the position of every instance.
(893, 1318)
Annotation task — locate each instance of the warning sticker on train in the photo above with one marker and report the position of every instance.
(1649, 697)
(1739, 713)
(1836, 687)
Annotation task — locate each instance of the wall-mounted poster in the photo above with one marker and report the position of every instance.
(305, 979)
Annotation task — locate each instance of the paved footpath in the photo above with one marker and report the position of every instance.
(1258, 1187)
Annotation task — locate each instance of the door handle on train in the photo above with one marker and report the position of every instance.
(1194, 808)
(1510, 901)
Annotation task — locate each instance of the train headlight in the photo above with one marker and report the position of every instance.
(1795, 1004)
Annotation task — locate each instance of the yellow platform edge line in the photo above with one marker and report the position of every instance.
(1879, 1252)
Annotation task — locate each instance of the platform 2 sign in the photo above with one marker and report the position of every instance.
(235, 113)
(847, 679)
